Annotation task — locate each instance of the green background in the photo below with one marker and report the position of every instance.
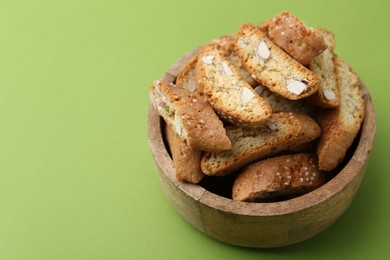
(77, 179)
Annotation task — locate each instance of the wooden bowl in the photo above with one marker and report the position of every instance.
(262, 225)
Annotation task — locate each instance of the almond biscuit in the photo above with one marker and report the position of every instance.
(271, 66)
(230, 96)
(190, 117)
(340, 125)
(281, 132)
(283, 176)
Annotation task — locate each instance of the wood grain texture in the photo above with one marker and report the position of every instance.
(261, 224)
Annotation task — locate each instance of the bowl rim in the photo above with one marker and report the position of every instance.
(356, 164)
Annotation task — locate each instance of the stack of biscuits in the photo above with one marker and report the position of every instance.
(272, 105)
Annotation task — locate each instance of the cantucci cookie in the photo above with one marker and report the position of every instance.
(230, 96)
(281, 104)
(341, 124)
(294, 37)
(186, 76)
(271, 66)
(191, 118)
(186, 160)
(323, 66)
(227, 48)
(278, 177)
(279, 133)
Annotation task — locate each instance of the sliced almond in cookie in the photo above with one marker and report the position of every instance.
(263, 51)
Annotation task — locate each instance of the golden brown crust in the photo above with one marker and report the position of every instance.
(186, 160)
(271, 66)
(230, 96)
(192, 119)
(340, 125)
(281, 132)
(278, 177)
(294, 37)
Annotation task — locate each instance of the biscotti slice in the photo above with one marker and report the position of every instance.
(294, 37)
(186, 76)
(271, 66)
(227, 48)
(186, 160)
(323, 66)
(278, 178)
(191, 118)
(341, 124)
(281, 104)
(230, 96)
(279, 133)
